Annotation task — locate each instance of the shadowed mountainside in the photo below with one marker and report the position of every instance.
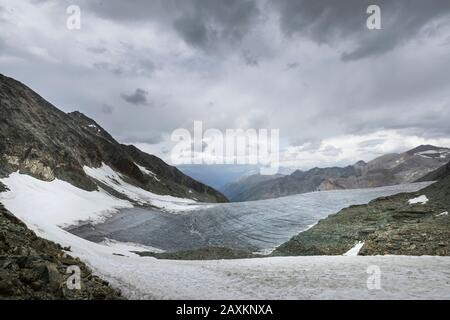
(42, 141)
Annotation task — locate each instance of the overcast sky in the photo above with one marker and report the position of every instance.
(337, 91)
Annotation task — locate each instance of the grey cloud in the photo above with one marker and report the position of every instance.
(2, 15)
(146, 66)
(331, 21)
(116, 70)
(210, 24)
(124, 11)
(98, 50)
(107, 109)
(193, 31)
(153, 139)
(144, 138)
(250, 59)
(370, 143)
(292, 65)
(2, 46)
(305, 144)
(203, 24)
(406, 90)
(331, 151)
(143, 67)
(139, 97)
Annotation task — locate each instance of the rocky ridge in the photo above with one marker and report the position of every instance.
(44, 142)
(35, 268)
(391, 169)
(388, 226)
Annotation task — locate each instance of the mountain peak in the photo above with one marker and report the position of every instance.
(42, 141)
(424, 148)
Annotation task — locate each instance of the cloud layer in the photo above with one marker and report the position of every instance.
(309, 68)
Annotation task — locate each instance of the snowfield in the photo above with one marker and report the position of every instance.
(56, 202)
(45, 206)
(111, 178)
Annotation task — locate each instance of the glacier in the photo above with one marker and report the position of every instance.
(46, 207)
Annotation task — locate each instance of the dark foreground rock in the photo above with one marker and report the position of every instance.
(387, 226)
(34, 268)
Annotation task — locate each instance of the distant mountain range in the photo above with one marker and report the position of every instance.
(220, 175)
(418, 164)
(39, 140)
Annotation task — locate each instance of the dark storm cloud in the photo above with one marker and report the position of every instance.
(330, 21)
(207, 23)
(139, 97)
(257, 61)
(107, 109)
(193, 31)
(249, 58)
(202, 24)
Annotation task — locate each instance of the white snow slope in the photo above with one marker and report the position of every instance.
(44, 206)
(113, 179)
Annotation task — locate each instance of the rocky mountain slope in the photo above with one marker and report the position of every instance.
(240, 190)
(46, 143)
(386, 170)
(34, 268)
(404, 224)
(436, 175)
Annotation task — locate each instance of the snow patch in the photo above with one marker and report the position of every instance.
(148, 172)
(108, 176)
(57, 202)
(441, 153)
(353, 252)
(419, 200)
(445, 213)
